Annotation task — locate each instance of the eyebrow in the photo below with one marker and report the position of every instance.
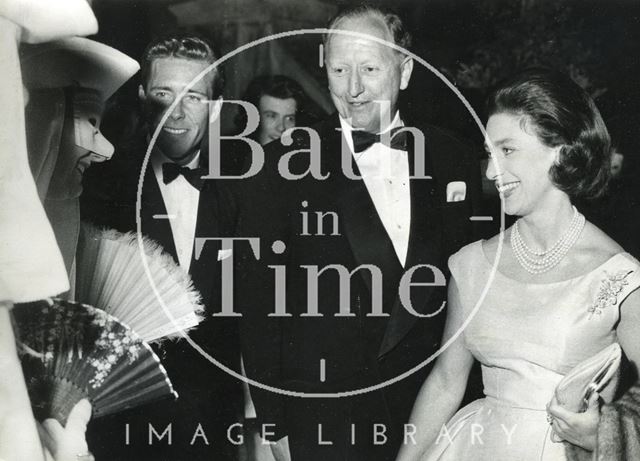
(198, 92)
(166, 88)
(498, 143)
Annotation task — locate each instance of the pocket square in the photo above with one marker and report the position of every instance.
(589, 376)
(224, 254)
(456, 191)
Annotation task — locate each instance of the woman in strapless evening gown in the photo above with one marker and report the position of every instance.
(533, 302)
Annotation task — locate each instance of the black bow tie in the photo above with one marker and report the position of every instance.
(362, 140)
(171, 171)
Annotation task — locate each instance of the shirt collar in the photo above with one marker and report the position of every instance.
(159, 158)
(347, 128)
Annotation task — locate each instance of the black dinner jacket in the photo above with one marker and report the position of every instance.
(207, 395)
(357, 351)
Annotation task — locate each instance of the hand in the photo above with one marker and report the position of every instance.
(280, 449)
(68, 443)
(580, 429)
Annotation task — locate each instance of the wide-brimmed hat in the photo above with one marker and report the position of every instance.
(77, 62)
(41, 21)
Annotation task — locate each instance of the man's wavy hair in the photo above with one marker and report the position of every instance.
(392, 21)
(186, 46)
(561, 114)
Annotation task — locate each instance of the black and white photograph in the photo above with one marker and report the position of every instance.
(337, 230)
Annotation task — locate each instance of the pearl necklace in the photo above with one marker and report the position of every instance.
(538, 262)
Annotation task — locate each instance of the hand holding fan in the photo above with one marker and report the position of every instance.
(110, 275)
(71, 351)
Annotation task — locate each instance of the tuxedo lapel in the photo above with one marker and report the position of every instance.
(157, 227)
(203, 269)
(424, 232)
(370, 243)
(153, 214)
(424, 248)
(368, 238)
(361, 223)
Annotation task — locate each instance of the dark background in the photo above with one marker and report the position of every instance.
(475, 44)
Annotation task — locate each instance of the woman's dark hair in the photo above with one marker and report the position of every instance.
(277, 86)
(561, 114)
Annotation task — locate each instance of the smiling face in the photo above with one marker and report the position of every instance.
(182, 133)
(520, 164)
(81, 144)
(362, 72)
(276, 116)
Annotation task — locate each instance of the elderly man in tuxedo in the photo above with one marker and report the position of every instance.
(348, 291)
(178, 206)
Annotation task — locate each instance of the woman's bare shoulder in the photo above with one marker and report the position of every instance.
(592, 249)
(595, 247)
(491, 246)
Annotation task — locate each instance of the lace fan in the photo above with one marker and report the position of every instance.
(70, 351)
(110, 275)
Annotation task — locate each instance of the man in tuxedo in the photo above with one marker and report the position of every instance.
(178, 206)
(386, 207)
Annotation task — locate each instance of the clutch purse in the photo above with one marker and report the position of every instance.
(591, 375)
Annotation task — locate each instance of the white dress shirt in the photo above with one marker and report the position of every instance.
(181, 201)
(385, 172)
